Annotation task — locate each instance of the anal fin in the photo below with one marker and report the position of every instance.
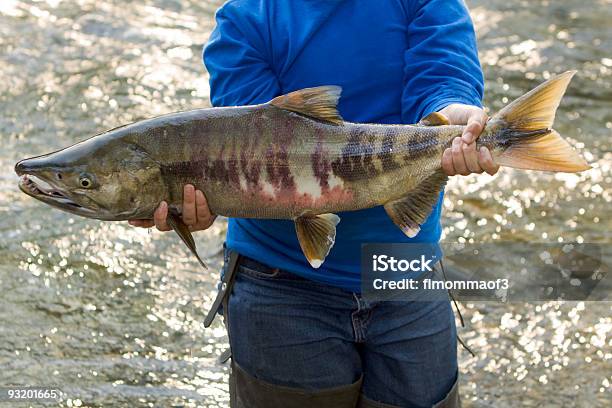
(182, 230)
(410, 211)
(316, 234)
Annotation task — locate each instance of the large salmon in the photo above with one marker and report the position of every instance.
(292, 158)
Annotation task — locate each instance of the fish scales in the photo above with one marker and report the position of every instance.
(292, 158)
(302, 166)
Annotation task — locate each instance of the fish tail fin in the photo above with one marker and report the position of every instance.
(526, 131)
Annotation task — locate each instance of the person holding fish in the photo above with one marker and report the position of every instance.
(304, 330)
(290, 158)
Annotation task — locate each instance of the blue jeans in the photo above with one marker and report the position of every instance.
(290, 331)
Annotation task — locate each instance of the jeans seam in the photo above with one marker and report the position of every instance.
(356, 326)
(356, 318)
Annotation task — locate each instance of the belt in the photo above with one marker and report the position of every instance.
(256, 265)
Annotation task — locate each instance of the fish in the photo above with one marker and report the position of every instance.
(293, 158)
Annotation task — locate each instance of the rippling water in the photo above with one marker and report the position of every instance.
(114, 314)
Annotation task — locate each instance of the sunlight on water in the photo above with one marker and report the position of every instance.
(114, 314)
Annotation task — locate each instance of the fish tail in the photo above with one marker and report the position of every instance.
(526, 135)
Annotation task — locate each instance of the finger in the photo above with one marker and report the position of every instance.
(202, 209)
(159, 217)
(474, 127)
(486, 161)
(447, 163)
(458, 160)
(471, 158)
(141, 223)
(202, 225)
(189, 205)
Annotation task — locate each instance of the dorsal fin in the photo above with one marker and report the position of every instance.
(318, 103)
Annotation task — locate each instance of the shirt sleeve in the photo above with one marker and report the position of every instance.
(441, 62)
(236, 60)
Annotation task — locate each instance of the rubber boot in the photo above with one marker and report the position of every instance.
(365, 402)
(247, 391)
(450, 401)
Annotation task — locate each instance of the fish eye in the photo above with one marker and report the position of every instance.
(85, 181)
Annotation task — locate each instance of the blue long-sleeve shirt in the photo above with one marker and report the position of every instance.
(396, 61)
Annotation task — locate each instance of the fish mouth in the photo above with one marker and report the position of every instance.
(41, 190)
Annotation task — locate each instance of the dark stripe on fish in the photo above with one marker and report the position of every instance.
(386, 154)
(278, 172)
(321, 166)
(355, 162)
(421, 143)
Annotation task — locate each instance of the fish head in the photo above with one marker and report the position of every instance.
(101, 178)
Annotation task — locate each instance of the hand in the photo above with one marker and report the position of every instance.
(196, 213)
(462, 157)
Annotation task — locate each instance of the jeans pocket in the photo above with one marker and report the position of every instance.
(259, 273)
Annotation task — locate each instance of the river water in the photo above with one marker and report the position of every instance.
(113, 314)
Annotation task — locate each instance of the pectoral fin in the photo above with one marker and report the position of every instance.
(409, 212)
(317, 234)
(176, 222)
